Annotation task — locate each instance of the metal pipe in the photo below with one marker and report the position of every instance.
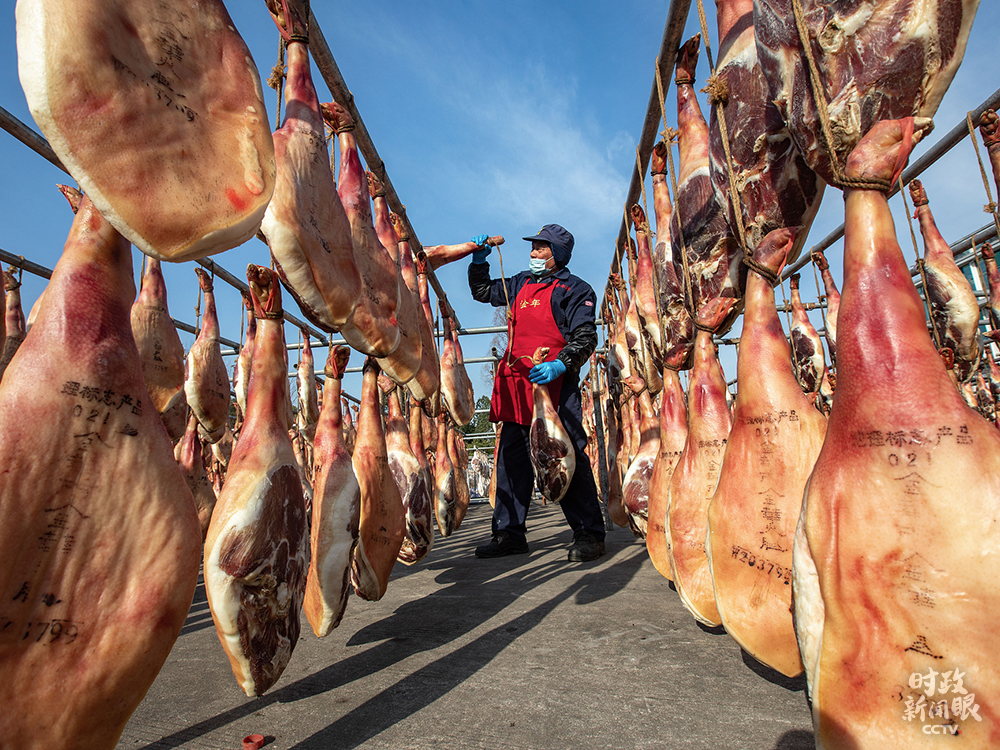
(328, 68)
(29, 138)
(939, 149)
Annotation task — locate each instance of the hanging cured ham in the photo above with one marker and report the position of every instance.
(190, 458)
(432, 404)
(418, 497)
(808, 360)
(372, 327)
(160, 348)
(953, 304)
(877, 61)
(305, 224)
(425, 383)
(832, 302)
(677, 326)
(98, 532)
(308, 413)
(255, 552)
(616, 449)
(625, 322)
(772, 446)
(438, 255)
(241, 370)
(636, 486)
(350, 433)
(645, 289)
(456, 389)
(460, 462)
(698, 225)
(156, 110)
(993, 279)
(697, 474)
(206, 382)
(673, 436)
(14, 324)
(774, 185)
(552, 453)
(989, 128)
(383, 518)
(336, 508)
(445, 491)
(300, 449)
(405, 361)
(895, 555)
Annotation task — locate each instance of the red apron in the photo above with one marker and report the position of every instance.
(532, 326)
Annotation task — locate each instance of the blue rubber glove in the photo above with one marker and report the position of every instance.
(546, 372)
(479, 256)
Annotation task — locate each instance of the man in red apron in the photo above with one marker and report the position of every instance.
(549, 307)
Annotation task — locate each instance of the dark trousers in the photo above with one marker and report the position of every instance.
(516, 477)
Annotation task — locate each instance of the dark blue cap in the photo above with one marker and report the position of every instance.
(560, 240)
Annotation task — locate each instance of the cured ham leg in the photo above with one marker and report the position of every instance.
(405, 361)
(336, 508)
(456, 388)
(878, 61)
(952, 301)
(308, 413)
(207, 379)
(190, 458)
(460, 462)
(445, 491)
(437, 255)
(14, 326)
(638, 346)
(772, 446)
(350, 433)
(305, 224)
(383, 518)
(645, 289)
(427, 381)
(414, 482)
(832, 302)
(808, 361)
(255, 552)
(636, 487)
(776, 187)
(98, 531)
(697, 474)
(894, 567)
(241, 370)
(552, 453)
(677, 326)
(993, 277)
(156, 110)
(616, 448)
(714, 256)
(989, 128)
(673, 436)
(160, 348)
(372, 327)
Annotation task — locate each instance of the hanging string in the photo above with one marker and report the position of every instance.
(991, 207)
(820, 297)
(788, 314)
(277, 80)
(920, 266)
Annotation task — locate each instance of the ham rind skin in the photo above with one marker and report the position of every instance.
(383, 520)
(255, 551)
(169, 139)
(715, 261)
(372, 327)
(770, 452)
(953, 304)
(695, 480)
(14, 325)
(98, 532)
(896, 552)
(206, 382)
(305, 223)
(160, 348)
(777, 189)
(636, 486)
(336, 509)
(673, 435)
(189, 458)
(878, 61)
(808, 359)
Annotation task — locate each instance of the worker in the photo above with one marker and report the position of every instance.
(550, 307)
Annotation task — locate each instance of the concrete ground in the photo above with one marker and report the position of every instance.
(522, 652)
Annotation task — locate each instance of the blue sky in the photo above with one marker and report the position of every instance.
(490, 117)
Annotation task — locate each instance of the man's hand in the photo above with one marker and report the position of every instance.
(479, 256)
(546, 372)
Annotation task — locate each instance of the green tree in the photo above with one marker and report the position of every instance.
(480, 423)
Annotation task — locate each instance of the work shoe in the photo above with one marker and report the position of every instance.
(585, 547)
(503, 543)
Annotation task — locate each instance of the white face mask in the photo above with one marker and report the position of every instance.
(537, 266)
